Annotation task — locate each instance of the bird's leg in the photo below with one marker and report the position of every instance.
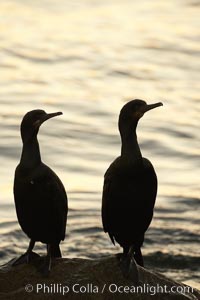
(55, 250)
(121, 256)
(138, 257)
(28, 256)
(46, 266)
(29, 252)
(129, 266)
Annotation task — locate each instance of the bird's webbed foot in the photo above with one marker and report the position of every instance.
(26, 258)
(129, 268)
(45, 266)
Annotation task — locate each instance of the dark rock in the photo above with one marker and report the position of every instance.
(86, 279)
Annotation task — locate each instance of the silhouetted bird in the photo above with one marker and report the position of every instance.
(130, 187)
(40, 197)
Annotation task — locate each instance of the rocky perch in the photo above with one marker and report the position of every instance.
(88, 279)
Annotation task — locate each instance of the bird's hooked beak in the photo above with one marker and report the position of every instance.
(144, 108)
(148, 107)
(49, 116)
(46, 117)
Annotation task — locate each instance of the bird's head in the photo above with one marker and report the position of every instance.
(132, 111)
(32, 121)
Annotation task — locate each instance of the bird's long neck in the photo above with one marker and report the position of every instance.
(30, 153)
(130, 149)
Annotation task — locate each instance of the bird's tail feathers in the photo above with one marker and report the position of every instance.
(112, 238)
(55, 250)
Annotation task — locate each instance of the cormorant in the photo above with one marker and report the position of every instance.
(40, 197)
(130, 188)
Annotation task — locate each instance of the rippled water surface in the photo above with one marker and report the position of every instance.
(87, 58)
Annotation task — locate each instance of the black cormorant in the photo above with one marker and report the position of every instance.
(130, 187)
(40, 197)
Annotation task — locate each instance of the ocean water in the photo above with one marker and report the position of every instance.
(86, 59)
